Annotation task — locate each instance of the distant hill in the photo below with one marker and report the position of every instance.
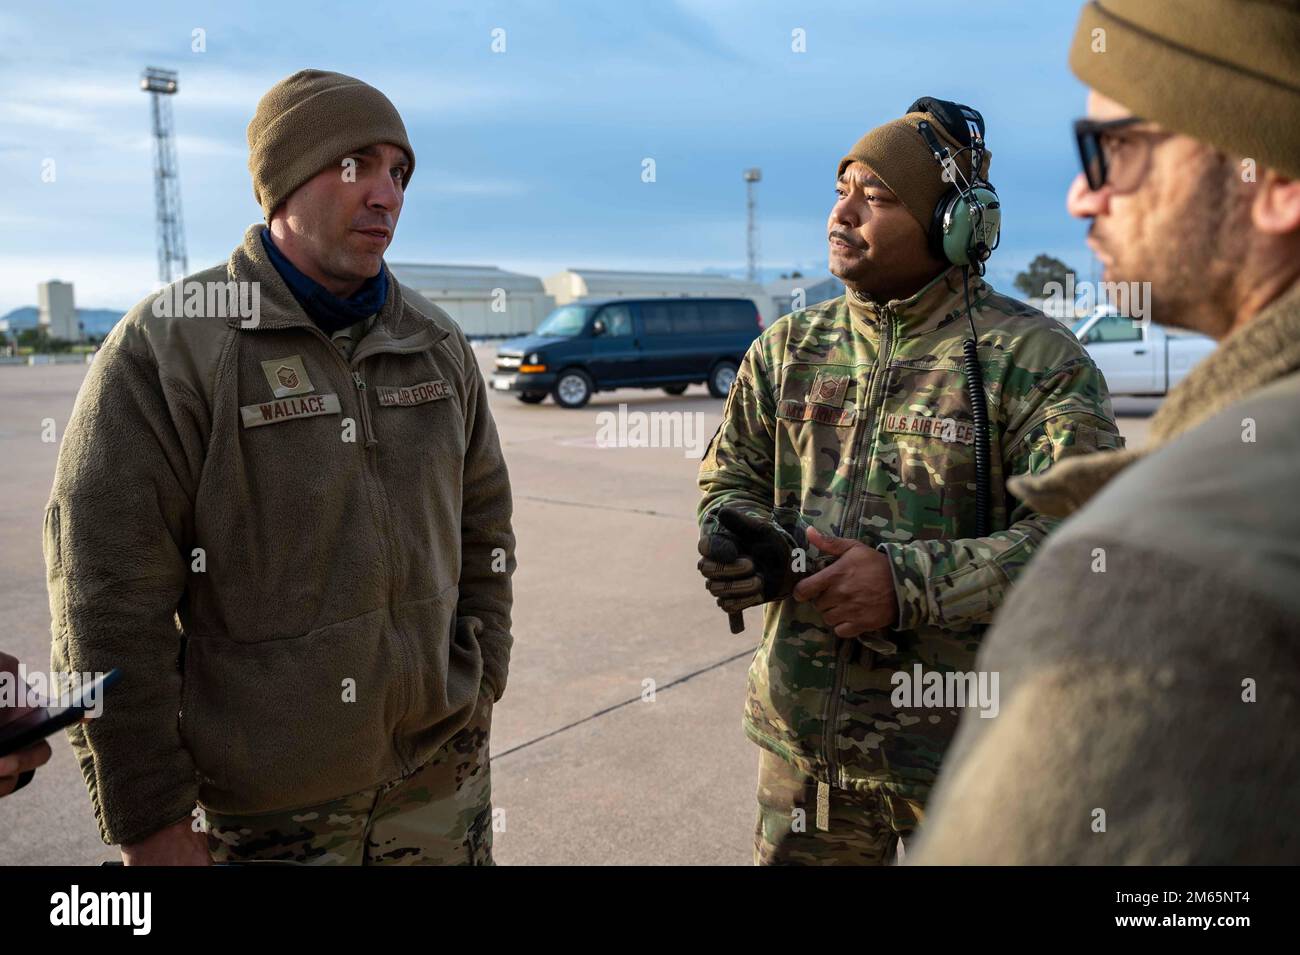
(97, 321)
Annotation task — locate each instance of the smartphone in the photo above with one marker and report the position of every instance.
(40, 723)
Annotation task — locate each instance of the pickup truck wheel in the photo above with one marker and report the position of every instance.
(573, 389)
(675, 389)
(721, 378)
(531, 397)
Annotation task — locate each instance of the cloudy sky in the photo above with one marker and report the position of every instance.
(531, 158)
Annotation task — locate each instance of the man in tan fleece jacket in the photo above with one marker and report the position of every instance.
(1148, 658)
(282, 510)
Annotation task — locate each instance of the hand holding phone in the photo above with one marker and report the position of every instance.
(17, 769)
(23, 728)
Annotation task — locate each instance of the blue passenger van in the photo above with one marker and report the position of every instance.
(599, 345)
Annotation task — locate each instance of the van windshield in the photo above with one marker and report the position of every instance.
(565, 322)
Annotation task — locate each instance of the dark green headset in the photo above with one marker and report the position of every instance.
(965, 230)
(967, 222)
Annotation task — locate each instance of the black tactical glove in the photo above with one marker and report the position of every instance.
(749, 560)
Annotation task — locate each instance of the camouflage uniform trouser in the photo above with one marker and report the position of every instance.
(441, 814)
(864, 828)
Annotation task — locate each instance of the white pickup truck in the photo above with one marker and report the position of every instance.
(1139, 358)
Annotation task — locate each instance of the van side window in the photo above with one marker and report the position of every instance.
(618, 320)
(656, 319)
(736, 317)
(686, 318)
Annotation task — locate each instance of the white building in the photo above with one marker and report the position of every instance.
(573, 284)
(815, 289)
(486, 301)
(58, 311)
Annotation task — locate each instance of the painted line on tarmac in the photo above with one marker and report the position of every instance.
(619, 706)
(604, 507)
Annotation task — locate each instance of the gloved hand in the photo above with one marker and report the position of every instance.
(748, 559)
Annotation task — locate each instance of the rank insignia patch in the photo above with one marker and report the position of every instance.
(829, 389)
(287, 376)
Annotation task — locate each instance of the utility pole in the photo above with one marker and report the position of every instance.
(752, 176)
(172, 262)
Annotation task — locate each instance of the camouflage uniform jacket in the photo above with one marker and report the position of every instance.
(853, 417)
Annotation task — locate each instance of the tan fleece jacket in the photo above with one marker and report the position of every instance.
(300, 562)
(1148, 703)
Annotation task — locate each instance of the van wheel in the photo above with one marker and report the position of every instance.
(721, 378)
(531, 397)
(675, 389)
(573, 389)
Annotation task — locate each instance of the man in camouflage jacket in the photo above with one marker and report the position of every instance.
(850, 426)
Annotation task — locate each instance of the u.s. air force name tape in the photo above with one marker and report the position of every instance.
(413, 394)
(945, 429)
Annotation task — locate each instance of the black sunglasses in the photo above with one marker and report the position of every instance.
(1088, 133)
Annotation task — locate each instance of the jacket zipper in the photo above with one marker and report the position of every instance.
(404, 651)
(874, 397)
(382, 517)
(401, 641)
(366, 426)
(380, 510)
(850, 529)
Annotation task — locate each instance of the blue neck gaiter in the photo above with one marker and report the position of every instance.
(327, 310)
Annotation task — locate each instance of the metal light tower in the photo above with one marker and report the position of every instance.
(752, 176)
(172, 262)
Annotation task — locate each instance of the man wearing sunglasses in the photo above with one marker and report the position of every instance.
(1148, 655)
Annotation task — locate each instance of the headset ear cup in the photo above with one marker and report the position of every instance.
(980, 232)
(958, 243)
(957, 240)
(943, 244)
(935, 234)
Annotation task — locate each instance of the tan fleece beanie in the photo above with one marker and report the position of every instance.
(897, 153)
(311, 119)
(1226, 72)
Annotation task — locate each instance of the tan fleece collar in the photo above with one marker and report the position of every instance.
(1266, 349)
(940, 301)
(278, 307)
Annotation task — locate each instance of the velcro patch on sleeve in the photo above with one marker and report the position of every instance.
(285, 409)
(945, 429)
(407, 395)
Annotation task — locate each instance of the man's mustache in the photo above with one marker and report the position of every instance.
(848, 240)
